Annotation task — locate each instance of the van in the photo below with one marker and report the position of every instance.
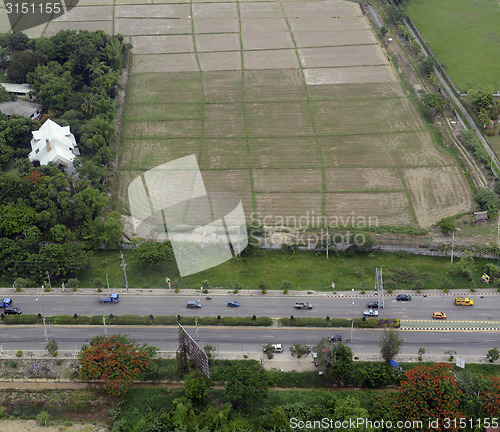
(463, 301)
(193, 304)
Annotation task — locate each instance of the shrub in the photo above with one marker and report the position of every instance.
(46, 289)
(205, 284)
(13, 364)
(362, 291)
(285, 286)
(52, 347)
(19, 353)
(43, 418)
(235, 291)
(98, 283)
(389, 290)
(73, 283)
(493, 355)
(177, 290)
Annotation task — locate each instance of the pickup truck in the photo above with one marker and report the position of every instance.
(6, 302)
(113, 298)
(302, 305)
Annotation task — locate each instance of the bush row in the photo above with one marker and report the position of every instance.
(137, 320)
(330, 322)
(208, 321)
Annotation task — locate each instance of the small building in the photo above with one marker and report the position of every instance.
(54, 143)
(480, 216)
(23, 108)
(20, 90)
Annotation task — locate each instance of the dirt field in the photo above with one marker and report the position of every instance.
(294, 106)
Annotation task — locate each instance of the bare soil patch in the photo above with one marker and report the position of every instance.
(218, 42)
(275, 206)
(437, 193)
(339, 37)
(216, 25)
(160, 63)
(260, 41)
(162, 44)
(390, 208)
(349, 75)
(216, 61)
(362, 179)
(224, 154)
(272, 59)
(288, 180)
(356, 55)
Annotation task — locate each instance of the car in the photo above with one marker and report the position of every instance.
(12, 311)
(438, 315)
(193, 304)
(6, 302)
(373, 305)
(370, 313)
(275, 348)
(335, 338)
(464, 301)
(403, 297)
(233, 303)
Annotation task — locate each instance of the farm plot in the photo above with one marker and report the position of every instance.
(365, 116)
(383, 150)
(362, 179)
(294, 107)
(436, 192)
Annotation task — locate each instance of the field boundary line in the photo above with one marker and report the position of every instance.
(203, 114)
(408, 196)
(244, 112)
(311, 114)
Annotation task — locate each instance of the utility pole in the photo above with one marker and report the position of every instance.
(107, 281)
(104, 323)
(48, 277)
(124, 266)
(452, 246)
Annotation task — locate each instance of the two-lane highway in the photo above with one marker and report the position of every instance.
(420, 308)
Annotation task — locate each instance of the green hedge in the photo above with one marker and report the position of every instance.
(207, 321)
(137, 320)
(332, 322)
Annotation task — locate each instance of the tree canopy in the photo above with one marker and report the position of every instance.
(115, 360)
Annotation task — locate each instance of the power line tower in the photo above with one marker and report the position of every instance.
(379, 286)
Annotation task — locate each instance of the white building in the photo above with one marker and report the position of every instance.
(54, 143)
(20, 90)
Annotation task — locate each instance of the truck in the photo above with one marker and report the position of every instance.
(113, 298)
(6, 302)
(303, 305)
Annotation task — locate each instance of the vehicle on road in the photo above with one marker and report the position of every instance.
(113, 298)
(315, 359)
(463, 301)
(335, 338)
(370, 313)
(303, 305)
(6, 302)
(438, 315)
(403, 297)
(12, 311)
(276, 348)
(374, 305)
(193, 304)
(233, 303)
(209, 297)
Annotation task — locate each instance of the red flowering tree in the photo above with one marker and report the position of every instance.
(115, 360)
(491, 397)
(426, 392)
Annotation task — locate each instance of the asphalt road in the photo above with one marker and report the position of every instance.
(420, 308)
(234, 340)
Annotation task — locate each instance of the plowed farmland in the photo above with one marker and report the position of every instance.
(293, 105)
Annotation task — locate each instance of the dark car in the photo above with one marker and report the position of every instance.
(335, 338)
(193, 304)
(12, 311)
(403, 297)
(373, 305)
(233, 303)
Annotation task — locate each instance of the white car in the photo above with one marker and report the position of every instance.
(370, 313)
(276, 348)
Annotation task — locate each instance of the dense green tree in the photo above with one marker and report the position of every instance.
(448, 225)
(493, 355)
(4, 95)
(88, 204)
(336, 361)
(246, 385)
(112, 229)
(390, 344)
(197, 386)
(434, 103)
(487, 200)
(23, 62)
(14, 41)
(350, 409)
(6, 153)
(152, 253)
(15, 219)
